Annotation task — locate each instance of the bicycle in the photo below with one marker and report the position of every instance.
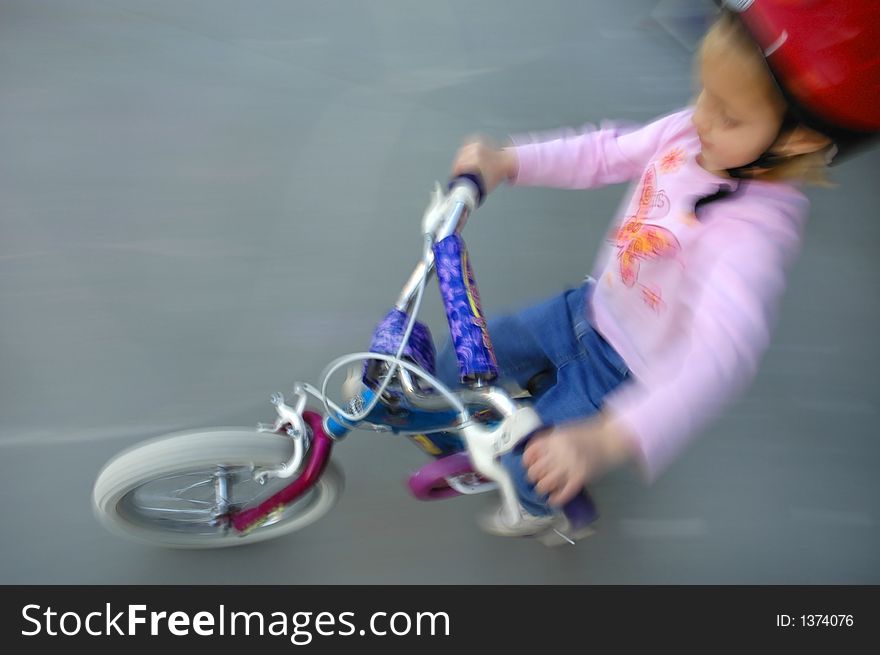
(231, 486)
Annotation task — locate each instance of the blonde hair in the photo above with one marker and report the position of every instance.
(727, 35)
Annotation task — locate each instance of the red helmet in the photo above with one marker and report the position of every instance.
(825, 56)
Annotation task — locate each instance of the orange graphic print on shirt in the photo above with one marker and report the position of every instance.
(636, 240)
(671, 160)
(652, 299)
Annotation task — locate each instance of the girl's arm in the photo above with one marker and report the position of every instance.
(593, 158)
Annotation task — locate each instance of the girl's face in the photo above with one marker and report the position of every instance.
(738, 113)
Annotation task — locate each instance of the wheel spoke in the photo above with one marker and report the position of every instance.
(201, 483)
(169, 510)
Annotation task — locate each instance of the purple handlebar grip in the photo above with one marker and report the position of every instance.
(467, 327)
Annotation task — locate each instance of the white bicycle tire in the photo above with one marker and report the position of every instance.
(194, 453)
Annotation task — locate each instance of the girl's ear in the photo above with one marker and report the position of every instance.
(799, 141)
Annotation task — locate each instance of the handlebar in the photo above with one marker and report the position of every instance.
(475, 180)
(445, 216)
(442, 222)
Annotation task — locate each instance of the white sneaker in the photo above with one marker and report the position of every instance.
(526, 525)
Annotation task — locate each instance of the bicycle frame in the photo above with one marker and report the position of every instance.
(405, 407)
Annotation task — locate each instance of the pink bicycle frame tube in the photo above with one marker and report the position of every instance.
(319, 455)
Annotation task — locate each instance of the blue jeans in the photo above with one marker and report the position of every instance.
(552, 350)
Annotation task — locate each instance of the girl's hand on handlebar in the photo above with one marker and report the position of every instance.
(493, 164)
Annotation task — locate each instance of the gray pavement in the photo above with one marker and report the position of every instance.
(202, 202)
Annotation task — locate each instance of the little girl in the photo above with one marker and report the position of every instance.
(634, 363)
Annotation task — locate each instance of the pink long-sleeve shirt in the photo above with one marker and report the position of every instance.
(688, 303)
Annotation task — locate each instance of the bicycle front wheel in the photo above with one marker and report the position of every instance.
(168, 491)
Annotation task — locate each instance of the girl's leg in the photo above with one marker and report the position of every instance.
(519, 342)
(587, 369)
(518, 353)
